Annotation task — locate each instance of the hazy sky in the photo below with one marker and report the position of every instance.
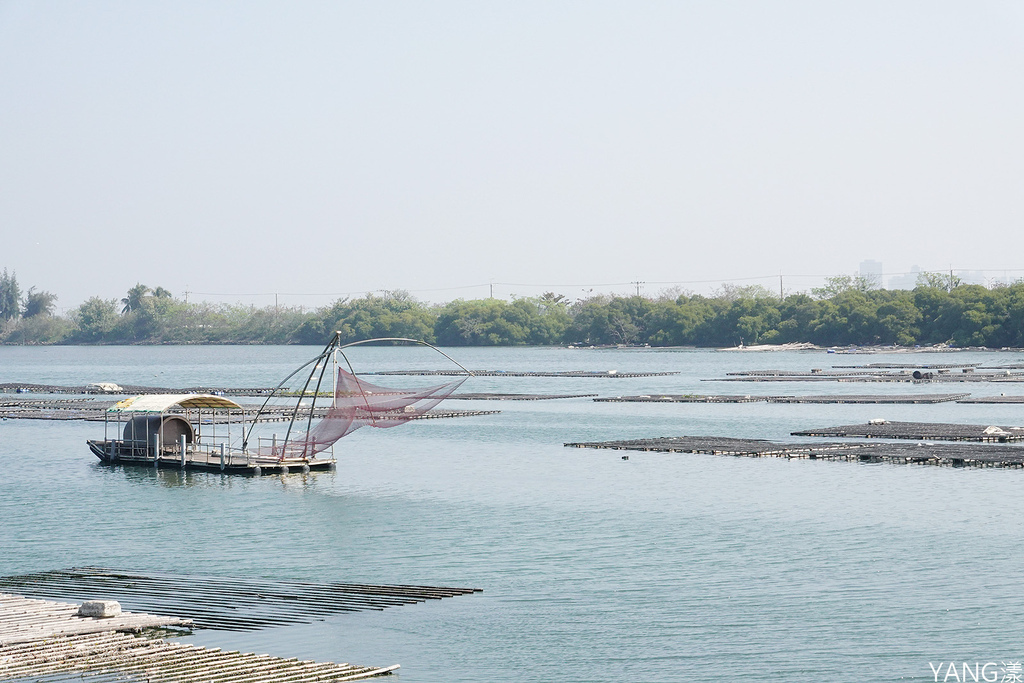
(317, 149)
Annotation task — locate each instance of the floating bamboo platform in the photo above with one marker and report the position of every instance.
(835, 398)
(44, 640)
(993, 399)
(683, 398)
(284, 413)
(95, 410)
(227, 604)
(128, 389)
(23, 620)
(923, 431)
(909, 366)
(950, 454)
(713, 445)
(945, 373)
(816, 373)
(515, 397)
(117, 657)
(518, 373)
(871, 398)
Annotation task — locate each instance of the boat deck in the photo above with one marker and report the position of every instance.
(206, 460)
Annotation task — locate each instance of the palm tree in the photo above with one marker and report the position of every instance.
(133, 301)
(161, 293)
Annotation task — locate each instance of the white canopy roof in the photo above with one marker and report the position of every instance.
(158, 403)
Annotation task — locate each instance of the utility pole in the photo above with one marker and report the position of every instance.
(782, 297)
(187, 316)
(638, 284)
(492, 289)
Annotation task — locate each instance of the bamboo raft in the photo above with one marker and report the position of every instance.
(128, 389)
(834, 398)
(94, 410)
(682, 398)
(948, 455)
(519, 373)
(515, 397)
(226, 604)
(908, 366)
(994, 399)
(44, 640)
(912, 374)
(921, 431)
(23, 620)
(873, 398)
(116, 657)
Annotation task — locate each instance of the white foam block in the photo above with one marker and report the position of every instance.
(101, 609)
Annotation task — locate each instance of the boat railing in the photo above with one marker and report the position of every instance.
(274, 447)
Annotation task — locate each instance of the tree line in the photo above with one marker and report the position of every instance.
(846, 311)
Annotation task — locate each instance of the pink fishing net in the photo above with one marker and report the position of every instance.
(357, 403)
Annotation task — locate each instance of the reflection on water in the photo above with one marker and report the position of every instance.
(170, 477)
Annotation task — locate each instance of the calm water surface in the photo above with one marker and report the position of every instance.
(660, 568)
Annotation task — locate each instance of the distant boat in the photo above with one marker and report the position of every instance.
(208, 432)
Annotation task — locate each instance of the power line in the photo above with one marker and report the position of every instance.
(634, 284)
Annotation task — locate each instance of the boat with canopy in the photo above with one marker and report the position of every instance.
(210, 432)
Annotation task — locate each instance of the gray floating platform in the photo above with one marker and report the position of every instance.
(833, 398)
(871, 398)
(711, 445)
(112, 657)
(515, 397)
(993, 399)
(24, 620)
(129, 389)
(907, 366)
(46, 640)
(944, 374)
(683, 398)
(229, 604)
(922, 431)
(519, 373)
(797, 373)
(95, 410)
(953, 455)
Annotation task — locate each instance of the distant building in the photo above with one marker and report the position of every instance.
(871, 271)
(1004, 281)
(968, 277)
(906, 280)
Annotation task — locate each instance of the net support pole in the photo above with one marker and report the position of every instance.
(323, 366)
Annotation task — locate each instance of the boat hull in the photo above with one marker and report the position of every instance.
(120, 453)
